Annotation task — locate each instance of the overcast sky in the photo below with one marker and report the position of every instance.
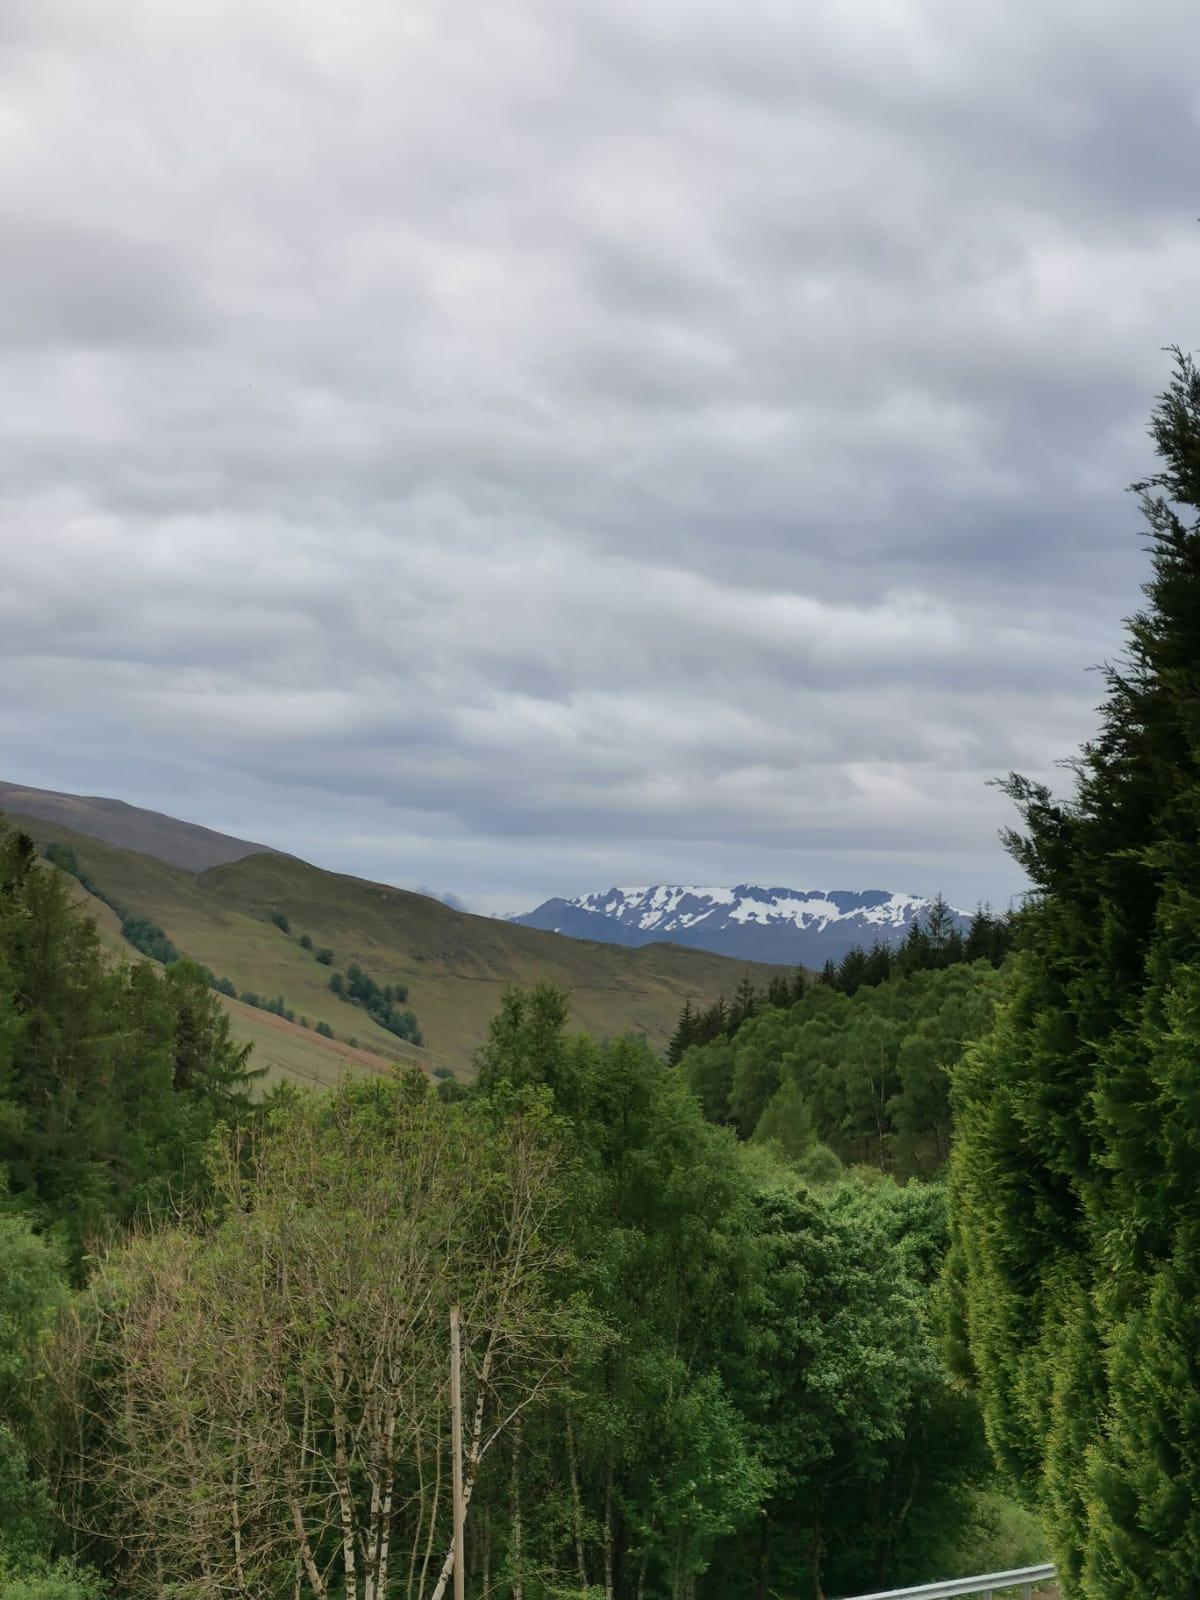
(521, 448)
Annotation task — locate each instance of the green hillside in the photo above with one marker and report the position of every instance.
(453, 964)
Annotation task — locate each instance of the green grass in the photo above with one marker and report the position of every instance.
(455, 965)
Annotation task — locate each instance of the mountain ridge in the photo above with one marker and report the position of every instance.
(151, 833)
(750, 922)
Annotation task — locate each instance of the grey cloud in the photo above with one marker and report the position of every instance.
(524, 448)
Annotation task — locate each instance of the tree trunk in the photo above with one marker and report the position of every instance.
(517, 1551)
(764, 1557)
(342, 1481)
(608, 1537)
(576, 1506)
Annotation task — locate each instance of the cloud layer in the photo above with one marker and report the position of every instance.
(522, 448)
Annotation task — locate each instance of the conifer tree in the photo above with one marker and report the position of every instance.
(878, 967)
(779, 992)
(1077, 1209)
(850, 972)
(682, 1037)
(745, 1003)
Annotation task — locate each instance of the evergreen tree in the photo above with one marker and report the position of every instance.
(112, 1076)
(682, 1037)
(745, 1002)
(878, 966)
(1077, 1212)
(939, 928)
(850, 971)
(779, 991)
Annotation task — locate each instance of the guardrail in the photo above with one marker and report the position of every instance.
(986, 1585)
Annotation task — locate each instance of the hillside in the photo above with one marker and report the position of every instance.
(182, 844)
(454, 965)
(749, 921)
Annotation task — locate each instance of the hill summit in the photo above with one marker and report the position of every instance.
(751, 921)
(151, 833)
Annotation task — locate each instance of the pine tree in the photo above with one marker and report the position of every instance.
(682, 1037)
(779, 992)
(850, 971)
(1077, 1210)
(939, 926)
(745, 1003)
(914, 954)
(878, 967)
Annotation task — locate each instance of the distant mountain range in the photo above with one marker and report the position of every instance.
(789, 927)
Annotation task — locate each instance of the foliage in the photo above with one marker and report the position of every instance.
(867, 1074)
(32, 1289)
(50, 1580)
(1076, 1271)
(933, 943)
(379, 1001)
(149, 938)
(113, 1075)
(268, 1399)
(759, 1393)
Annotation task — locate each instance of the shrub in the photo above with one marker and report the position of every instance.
(150, 939)
(280, 921)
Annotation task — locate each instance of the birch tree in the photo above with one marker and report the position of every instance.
(262, 1408)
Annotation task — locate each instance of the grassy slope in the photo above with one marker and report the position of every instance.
(454, 964)
(187, 844)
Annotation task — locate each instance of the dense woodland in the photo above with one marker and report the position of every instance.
(729, 1328)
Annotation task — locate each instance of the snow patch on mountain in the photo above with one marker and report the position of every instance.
(753, 921)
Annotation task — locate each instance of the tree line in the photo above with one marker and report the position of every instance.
(933, 942)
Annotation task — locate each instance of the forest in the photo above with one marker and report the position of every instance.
(886, 1274)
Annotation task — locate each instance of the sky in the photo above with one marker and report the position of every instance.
(518, 449)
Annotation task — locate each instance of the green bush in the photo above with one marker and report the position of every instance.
(58, 1580)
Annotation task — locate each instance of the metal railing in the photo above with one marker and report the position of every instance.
(986, 1585)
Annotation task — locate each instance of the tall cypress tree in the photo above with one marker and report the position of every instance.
(1076, 1264)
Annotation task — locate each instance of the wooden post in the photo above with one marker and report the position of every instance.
(456, 1449)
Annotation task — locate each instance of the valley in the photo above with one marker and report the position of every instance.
(454, 965)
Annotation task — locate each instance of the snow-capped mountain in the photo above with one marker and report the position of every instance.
(792, 927)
